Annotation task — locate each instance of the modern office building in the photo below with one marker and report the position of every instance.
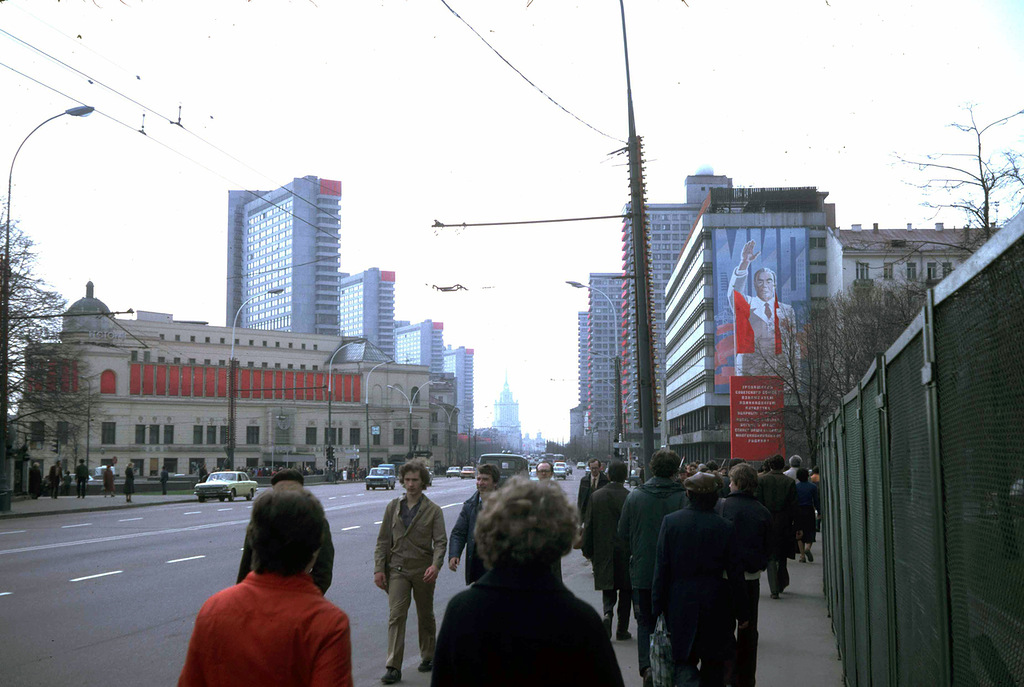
(367, 307)
(285, 239)
(748, 247)
(582, 348)
(669, 225)
(506, 419)
(459, 362)
(604, 339)
(420, 344)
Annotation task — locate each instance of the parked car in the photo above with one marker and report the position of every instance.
(381, 477)
(468, 472)
(226, 485)
(453, 471)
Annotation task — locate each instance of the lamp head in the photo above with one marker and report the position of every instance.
(274, 292)
(80, 111)
(576, 285)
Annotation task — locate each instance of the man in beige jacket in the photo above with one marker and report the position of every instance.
(410, 551)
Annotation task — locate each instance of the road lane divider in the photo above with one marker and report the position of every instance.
(14, 532)
(378, 522)
(182, 560)
(129, 519)
(6, 593)
(346, 529)
(451, 504)
(83, 524)
(221, 510)
(331, 498)
(93, 577)
(193, 512)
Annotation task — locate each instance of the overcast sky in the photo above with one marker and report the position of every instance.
(420, 120)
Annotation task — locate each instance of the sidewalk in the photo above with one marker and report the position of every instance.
(44, 505)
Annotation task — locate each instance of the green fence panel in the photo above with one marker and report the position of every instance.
(918, 584)
(858, 546)
(980, 365)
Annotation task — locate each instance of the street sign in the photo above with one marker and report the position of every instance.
(626, 444)
(375, 430)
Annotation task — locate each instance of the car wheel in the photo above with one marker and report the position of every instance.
(231, 496)
(368, 486)
(248, 497)
(202, 499)
(221, 499)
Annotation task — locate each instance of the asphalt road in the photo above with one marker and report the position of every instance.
(110, 597)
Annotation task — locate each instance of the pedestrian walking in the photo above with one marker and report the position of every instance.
(808, 508)
(463, 536)
(410, 551)
(322, 571)
(794, 465)
(518, 624)
(753, 526)
(35, 481)
(698, 585)
(275, 628)
(108, 482)
(54, 478)
(164, 477)
(608, 551)
(129, 482)
(778, 494)
(81, 477)
(639, 525)
(203, 474)
(590, 483)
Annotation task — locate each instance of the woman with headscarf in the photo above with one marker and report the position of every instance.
(54, 479)
(275, 627)
(808, 507)
(518, 624)
(129, 482)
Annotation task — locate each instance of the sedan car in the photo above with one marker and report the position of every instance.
(453, 471)
(468, 472)
(560, 472)
(226, 485)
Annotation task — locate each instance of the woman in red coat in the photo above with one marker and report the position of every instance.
(108, 482)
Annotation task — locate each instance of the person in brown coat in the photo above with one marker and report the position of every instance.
(54, 478)
(609, 553)
(777, 493)
(108, 482)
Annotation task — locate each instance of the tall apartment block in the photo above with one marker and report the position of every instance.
(604, 337)
(459, 361)
(670, 224)
(582, 352)
(367, 307)
(285, 239)
(420, 344)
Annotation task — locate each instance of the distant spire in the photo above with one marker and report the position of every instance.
(88, 294)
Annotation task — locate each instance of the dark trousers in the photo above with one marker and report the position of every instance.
(644, 627)
(710, 674)
(81, 488)
(163, 487)
(778, 575)
(740, 673)
(624, 598)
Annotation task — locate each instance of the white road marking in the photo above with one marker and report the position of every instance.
(451, 504)
(129, 519)
(331, 498)
(190, 558)
(221, 510)
(93, 577)
(378, 522)
(5, 593)
(344, 496)
(14, 532)
(346, 529)
(193, 512)
(84, 524)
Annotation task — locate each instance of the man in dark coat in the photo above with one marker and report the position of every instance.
(696, 550)
(639, 526)
(778, 494)
(590, 483)
(608, 552)
(35, 481)
(323, 567)
(753, 525)
(487, 477)
(164, 477)
(81, 477)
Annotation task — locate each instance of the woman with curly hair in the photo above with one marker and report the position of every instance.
(518, 623)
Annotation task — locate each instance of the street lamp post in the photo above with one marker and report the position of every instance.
(368, 375)
(616, 361)
(448, 434)
(233, 377)
(330, 396)
(410, 400)
(5, 308)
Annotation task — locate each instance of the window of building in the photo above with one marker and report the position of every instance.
(264, 344)
(223, 431)
(168, 434)
(140, 434)
(154, 434)
(177, 337)
(250, 342)
(250, 364)
(191, 361)
(289, 344)
(302, 367)
(911, 271)
(161, 337)
(303, 346)
(277, 344)
(433, 439)
(887, 271)
(62, 430)
(222, 340)
(177, 361)
(161, 359)
(252, 435)
(376, 439)
(330, 435)
(311, 436)
(221, 363)
(108, 433)
(947, 267)
(37, 431)
(863, 270)
(135, 356)
(353, 436)
(316, 367)
(207, 340)
(197, 434)
(817, 278)
(932, 271)
(314, 347)
(399, 436)
(415, 434)
(211, 434)
(192, 339)
(145, 356)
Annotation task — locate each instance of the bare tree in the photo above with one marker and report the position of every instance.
(974, 182)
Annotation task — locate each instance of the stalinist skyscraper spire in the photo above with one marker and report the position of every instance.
(506, 418)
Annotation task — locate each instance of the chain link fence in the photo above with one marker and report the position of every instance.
(923, 490)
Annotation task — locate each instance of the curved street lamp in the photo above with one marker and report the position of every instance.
(368, 375)
(410, 400)
(5, 305)
(330, 395)
(454, 411)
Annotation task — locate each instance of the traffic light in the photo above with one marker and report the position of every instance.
(330, 456)
(55, 446)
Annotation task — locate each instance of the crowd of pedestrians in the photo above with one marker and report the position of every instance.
(688, 546)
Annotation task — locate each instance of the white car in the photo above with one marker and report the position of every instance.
(453, 471)
(226, 485)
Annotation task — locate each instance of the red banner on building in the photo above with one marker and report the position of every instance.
(755, 417)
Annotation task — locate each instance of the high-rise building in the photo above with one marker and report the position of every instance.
(506, 419)
(736, 299)
(459, 362)
(604, 337)
(421, 344)
(669, 226)
(285, 239)
(583, 332)
(367, 307)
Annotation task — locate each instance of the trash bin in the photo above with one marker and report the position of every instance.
(5, 501)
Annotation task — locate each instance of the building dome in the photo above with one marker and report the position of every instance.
(77, 316)
(705, 171)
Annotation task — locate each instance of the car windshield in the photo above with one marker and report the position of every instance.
(222, 477)
(379, 472)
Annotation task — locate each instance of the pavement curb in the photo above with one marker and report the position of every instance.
(62, 511)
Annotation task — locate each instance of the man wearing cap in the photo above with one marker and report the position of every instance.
(698, 585)
(323, 566)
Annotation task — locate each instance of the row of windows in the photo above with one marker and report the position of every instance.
(217, 435)
(192, 339)
(931, 270)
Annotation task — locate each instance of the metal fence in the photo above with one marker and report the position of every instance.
(923, 490)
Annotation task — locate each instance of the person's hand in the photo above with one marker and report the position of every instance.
(431, 574)
(453, 563)
(749, 255)
(744, 625)
(380, 581)
(799, 534)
